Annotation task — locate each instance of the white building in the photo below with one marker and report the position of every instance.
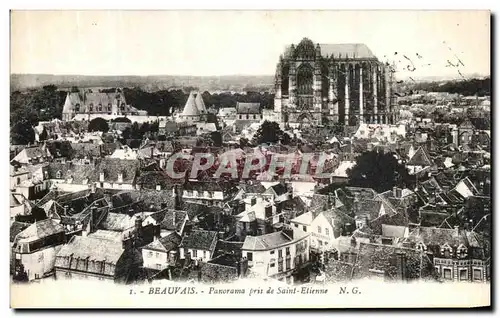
(277, 254)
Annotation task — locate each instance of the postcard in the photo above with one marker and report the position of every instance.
(250, 159)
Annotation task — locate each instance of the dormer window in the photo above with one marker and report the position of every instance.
(58, 175)
(446, 250)
(462, 251)
(101, 177)
(421, 247)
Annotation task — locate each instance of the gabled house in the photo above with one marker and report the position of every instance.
(419, 161)
(33, 155)
(36, 247)
(162, 252)
(96, 258)
(457, 255)
(116, 174)
(277, 255)
(198, 245)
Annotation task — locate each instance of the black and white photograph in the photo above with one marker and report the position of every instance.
(250, 159)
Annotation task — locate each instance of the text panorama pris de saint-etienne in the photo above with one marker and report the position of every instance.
(244, 291)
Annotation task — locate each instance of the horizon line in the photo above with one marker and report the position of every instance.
(475, 75)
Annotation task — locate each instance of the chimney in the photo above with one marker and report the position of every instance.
(152, 148)
(395, 192)
(127, 242)
(287, 230)
(93, 216)
(138, 224)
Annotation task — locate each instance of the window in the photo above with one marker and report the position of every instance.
(280, 253)
(58, 175)
(250, 256)
(77, 107)
(150, 254)
(195, 253)
(437, 269)
(320, 243)
(91, 107)
(158, 266)
(272, 265)
(477, 274)
(280, 266)
(272, 252)
(157, 255)
(319, 229)
(296, 225)
(288, 264)
(447, 273)
(288, 251)
(463, 274)
(109, 107)
(18, 180)
(304, 228)
(327, 232)
(447, 253)
(204, 254)
(99, 108)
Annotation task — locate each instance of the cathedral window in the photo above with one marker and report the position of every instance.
(305, 80)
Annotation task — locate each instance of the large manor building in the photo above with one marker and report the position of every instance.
(344, 83)
(88, 105)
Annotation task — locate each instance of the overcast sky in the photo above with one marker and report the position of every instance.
(239, 42)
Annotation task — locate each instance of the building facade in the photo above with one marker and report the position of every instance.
(97, 104)
(343, 83)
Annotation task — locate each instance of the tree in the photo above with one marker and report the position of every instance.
(98, 124)
(22, 133)
(379, 171)
(120, 120)
(268, 132)
(244, 143)
(216, 138)
(126, 133)
(43, 135)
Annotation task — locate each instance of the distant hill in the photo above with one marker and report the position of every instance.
(148, 83)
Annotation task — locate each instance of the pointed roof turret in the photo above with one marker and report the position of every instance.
(190, 109)
(200, 104)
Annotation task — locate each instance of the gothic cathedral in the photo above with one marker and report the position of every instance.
(333, 83)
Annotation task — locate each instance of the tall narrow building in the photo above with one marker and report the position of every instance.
(333, 83)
